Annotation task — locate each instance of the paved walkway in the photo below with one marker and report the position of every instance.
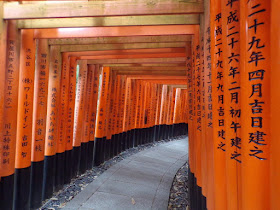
(141, 181)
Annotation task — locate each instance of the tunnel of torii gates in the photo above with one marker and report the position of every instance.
(80, 84)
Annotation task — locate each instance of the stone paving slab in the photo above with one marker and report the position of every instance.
(142, 181)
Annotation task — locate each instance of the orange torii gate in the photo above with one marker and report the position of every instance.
(51, 148)
(232, 94)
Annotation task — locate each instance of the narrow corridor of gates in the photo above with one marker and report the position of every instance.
(81, 81)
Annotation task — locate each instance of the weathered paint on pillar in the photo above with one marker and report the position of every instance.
(255, 103)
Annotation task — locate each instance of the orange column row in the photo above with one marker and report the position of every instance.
(236, 160)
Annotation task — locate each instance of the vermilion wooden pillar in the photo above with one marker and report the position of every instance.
(163, 105)
(169, 111)
(158, 112)
(151, 111)
(113, 108)
(137, 87)
(3, 43)
(62, 110)
(141, 111)
(79, 115)
(176, 105)
(198, 114)
(156, 108)
(232, 101)
(100, 135)
(218, 75)
(24, 121)
(275, 101)
(164, 95)
(191, 104)
(208, 107)
(119, 114)
(85, 136)
(156, 102)
(255, 102)
(204, 150)
(144, 113)
(93, 111)
(185, 111)
(122, 104)
(127, 111)
(8, 137)
(166, 110)
(194, 142)
(133, 113)
(116, 115)
(172, 114)
(190, 83)
(70, 120)
(52, 122)
(146, 110)
(107, 129)
(39, 121)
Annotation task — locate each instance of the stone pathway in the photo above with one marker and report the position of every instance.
(142, 181)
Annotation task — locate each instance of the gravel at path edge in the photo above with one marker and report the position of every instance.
(179, 197)
(78, 183)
